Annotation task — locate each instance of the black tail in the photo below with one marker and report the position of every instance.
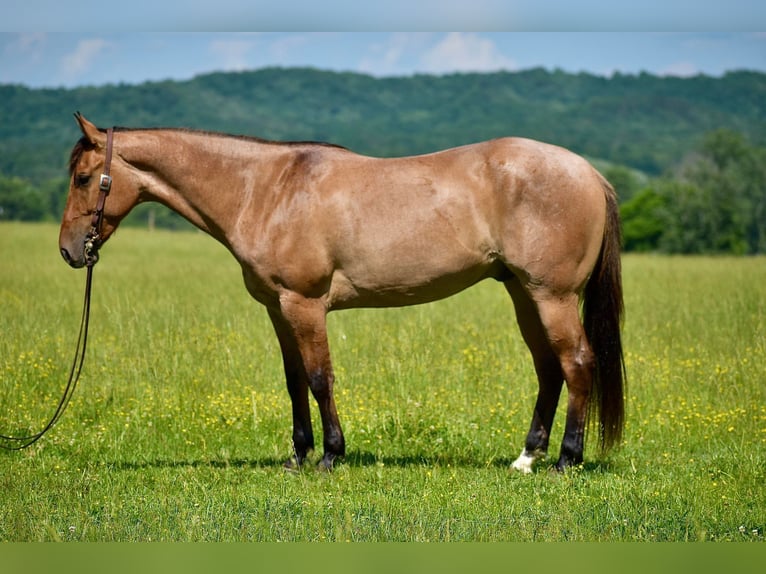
(603, 311)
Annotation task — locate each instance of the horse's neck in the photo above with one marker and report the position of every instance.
(208, 179)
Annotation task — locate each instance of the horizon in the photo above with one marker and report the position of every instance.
(548, 70)
(70, 60)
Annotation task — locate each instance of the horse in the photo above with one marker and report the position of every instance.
(316, 227)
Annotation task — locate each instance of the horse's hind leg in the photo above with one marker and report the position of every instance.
(560, 317)
(549, 376)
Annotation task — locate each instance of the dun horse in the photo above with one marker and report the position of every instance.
(316, 227)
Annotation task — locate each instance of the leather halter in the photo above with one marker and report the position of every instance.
(92, 244)
(93, 239)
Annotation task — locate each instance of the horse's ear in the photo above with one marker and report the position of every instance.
(90, 131)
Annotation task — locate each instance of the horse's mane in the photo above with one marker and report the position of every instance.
(232, 136)
(83, 144)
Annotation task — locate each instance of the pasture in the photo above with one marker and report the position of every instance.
(181, 422)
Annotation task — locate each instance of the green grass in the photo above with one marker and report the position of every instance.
(181, 422)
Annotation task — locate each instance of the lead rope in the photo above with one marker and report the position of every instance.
(22, 442)
(92, 243)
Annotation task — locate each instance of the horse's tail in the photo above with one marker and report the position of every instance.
(602, 317)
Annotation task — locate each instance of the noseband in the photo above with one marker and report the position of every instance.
(93, 238)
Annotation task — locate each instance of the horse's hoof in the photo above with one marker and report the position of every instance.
(293, 464)
(525, 463)
(326, 464)
(564, 465)
(522, 466)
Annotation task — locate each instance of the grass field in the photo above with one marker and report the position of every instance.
(181, 422)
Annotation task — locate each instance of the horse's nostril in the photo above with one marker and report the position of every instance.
(66, 256)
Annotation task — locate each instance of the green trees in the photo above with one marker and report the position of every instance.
(715, 202)
(22, 201)
(686, 155)
(643, 220)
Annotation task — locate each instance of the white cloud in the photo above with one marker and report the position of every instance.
(284, 49)
(233, 54)
(465, 52)
(386, 58)
(78, 62)
(682, 69)
(31, 43)
(392, 57)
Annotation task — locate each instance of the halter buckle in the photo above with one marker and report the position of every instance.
(105, 183)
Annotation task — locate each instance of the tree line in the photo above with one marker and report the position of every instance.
(685, 154)
(714, 201)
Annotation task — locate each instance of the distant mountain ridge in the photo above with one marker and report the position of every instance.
(641, 121)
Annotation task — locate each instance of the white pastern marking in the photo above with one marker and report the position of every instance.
(525, 462)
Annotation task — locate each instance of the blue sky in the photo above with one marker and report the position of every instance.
(48, 43)
(42, 59)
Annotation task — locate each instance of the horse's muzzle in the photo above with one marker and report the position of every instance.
(71, 261)
(83, 253)
(68, 258)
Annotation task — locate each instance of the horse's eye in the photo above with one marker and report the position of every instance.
(82, 180)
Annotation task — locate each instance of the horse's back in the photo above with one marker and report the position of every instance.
(541, 207)
(415, 229)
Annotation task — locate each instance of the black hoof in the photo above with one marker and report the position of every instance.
(294, 463)
(565, 464)
(291, 466)
(326, 464)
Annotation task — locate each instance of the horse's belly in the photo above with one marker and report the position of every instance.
(421, 286)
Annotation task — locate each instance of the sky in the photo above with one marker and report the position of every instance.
(46, 43)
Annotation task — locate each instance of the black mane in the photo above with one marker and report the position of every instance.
(226, 135)
(83, 144)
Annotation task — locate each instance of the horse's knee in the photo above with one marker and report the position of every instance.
(321, 383)
(578, 364)
(584, 357)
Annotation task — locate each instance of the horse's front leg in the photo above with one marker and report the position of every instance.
(305, 320)
(297, 388)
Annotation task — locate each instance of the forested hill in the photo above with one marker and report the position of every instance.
(645, 122)
(687, 155)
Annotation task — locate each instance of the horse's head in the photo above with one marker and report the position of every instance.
(86, 165)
